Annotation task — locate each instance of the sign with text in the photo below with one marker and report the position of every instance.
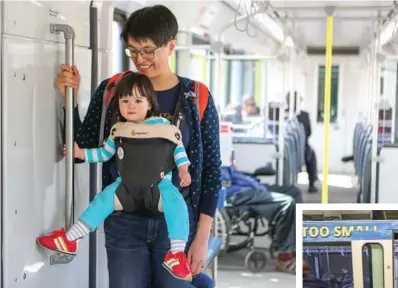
(345, 231)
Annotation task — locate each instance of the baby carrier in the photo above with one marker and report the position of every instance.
(144, 156)
(140, 177)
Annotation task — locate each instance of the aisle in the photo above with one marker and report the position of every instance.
(233, 274)
(342, 189)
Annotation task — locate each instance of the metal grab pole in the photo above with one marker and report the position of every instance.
(209, 68)
(371, 74)
(220, 104)
(69, 35)
(95, 169)
(281, 130)
(326, 108)
(291, 86)
(247, 57)
(264, 93)
(375, 116)
(191, 47)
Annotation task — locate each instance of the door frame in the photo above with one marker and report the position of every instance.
(356, 234)
(338, 128)
(388, 261)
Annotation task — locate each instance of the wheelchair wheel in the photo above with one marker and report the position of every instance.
(272, 251)
(255, 261)
(223, 224)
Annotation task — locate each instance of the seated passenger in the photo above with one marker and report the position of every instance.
(310, 156)
(232, 113)
(268, 201)
(249, 106)
(135, 108)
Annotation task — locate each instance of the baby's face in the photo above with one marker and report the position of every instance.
(134, 108)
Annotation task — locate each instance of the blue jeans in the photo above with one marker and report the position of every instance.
(136, 247)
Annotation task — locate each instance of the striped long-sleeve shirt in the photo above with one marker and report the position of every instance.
(105, 153)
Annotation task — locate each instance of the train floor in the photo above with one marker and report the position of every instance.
(342, 189)
(232, 272)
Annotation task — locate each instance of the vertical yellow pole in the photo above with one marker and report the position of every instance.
(173, 62)
(326, 109)
(204, 70)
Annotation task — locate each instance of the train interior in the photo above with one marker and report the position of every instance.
(347, 248)
(338, 59)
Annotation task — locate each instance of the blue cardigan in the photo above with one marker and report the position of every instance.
(204, 152)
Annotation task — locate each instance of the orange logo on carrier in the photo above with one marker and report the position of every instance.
(132, 133)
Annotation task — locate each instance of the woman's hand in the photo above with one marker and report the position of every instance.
(68, 77)
(197, 255)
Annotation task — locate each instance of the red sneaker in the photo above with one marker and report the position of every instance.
(56, 240)
(177, 265)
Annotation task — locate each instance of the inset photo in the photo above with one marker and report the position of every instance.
(347, 245)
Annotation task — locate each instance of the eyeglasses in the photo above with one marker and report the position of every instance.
(146, 54)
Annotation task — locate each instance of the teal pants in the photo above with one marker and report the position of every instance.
(173, 206)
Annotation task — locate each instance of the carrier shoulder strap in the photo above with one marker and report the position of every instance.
(202, 98)
(109, 93)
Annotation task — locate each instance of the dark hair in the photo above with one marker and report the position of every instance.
(156, 23)
(125, 88)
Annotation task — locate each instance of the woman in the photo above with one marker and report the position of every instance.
(137, 242)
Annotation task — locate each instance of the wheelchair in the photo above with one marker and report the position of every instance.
(238, 221)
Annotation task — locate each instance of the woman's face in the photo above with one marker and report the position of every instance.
(149, 59)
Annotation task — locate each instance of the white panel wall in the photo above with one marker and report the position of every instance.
(387, 175)
(33, 152)
(275, 76)
(34, 23)
(33, 164)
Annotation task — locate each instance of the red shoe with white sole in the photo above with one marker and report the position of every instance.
(56, 241)
(177, 265)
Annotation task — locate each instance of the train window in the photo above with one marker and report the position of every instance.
(120, 61)
(331, 264)
(373, 263)
(333, 93)
(248, 75)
